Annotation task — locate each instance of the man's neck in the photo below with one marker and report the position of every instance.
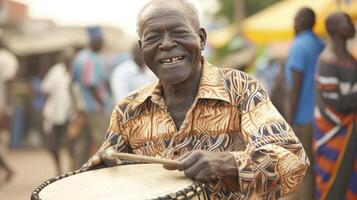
(179, 98)
(184, 92)
(302, 31)
(339, 48)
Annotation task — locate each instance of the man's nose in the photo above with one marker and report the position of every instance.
(167, 43)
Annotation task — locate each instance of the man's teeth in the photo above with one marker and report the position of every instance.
(170, 61)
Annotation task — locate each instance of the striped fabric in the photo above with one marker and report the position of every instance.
(335, 134)
(88, 71)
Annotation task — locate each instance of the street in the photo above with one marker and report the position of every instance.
(31, 167)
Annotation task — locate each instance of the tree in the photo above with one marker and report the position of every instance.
(227, 10)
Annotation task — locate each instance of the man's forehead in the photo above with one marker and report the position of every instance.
(161, 8)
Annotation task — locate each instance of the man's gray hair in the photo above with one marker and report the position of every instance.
(189, 7)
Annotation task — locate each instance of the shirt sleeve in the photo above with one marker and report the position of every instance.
(47, 85)
(274, 162)
(114, 136)
(296, 59)
(119, 83)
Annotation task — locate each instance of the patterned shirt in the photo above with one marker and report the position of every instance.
(231, 113)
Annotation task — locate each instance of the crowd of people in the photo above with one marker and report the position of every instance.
(205, 115)
(77, 89)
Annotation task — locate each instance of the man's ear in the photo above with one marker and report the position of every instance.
(141, 48)
(203, 37)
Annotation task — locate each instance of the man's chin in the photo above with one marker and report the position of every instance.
(172, 80)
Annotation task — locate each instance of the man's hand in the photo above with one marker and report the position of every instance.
(207, 166)
(105, 157)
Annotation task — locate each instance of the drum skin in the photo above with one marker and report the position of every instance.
(127, 182)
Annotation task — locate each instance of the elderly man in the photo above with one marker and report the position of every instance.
(218, 122)
(9, 67)
(88, 72)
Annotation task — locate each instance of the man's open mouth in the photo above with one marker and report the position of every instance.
(171, 61)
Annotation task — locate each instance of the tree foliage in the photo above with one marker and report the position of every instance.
(251, 6)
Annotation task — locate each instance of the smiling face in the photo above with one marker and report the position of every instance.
(171, 45)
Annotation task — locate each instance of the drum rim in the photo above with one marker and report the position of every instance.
(186, 193)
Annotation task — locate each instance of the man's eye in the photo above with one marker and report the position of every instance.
(179, 33)
(152, 38)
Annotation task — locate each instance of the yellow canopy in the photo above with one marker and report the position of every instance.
(275, 23)
(219, 38)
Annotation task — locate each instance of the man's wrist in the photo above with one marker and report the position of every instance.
(231, 178)
(230, 168)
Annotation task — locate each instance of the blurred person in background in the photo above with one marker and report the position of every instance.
(89, 74)
(35, 135)
(130, 75)
(336, 114)
(21, 101)
(57, 109)
(270, 72)
(8, 68)
(299, 72)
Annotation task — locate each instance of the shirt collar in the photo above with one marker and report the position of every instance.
(307, 32)
(211, 87)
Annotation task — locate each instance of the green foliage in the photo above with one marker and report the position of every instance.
(227, 10)
(251, 6)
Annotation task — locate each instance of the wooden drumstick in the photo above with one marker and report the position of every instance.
(141, 158)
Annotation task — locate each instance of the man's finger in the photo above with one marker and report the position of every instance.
(175, 167)
(112, 162)
(193, 170)
(87, 166)
(190, 160)
(184, 156)
(108, 154)
(109, 158)
(205, 175)
(170, 167)
(93, 161)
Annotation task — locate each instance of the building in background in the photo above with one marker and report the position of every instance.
(12, 13)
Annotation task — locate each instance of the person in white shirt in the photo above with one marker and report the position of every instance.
(58, 104)
(9, 66)
(130, 75)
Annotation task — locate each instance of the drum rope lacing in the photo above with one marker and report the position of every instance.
(184, 194)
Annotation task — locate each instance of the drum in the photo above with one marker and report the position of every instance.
(127, 182)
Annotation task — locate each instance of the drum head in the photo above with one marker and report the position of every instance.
(127, 182)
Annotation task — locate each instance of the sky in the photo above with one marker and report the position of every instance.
(117, 13)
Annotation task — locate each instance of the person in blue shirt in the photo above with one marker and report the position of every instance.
(299, 72)
(94, 101)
